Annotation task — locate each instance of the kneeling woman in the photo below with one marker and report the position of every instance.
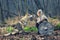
(42, 24)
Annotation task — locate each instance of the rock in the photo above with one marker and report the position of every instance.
(18, 26)
(45, 28)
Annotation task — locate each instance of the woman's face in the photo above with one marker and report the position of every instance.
(38, 14)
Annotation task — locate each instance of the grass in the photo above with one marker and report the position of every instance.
(12, 21)
(9, 29)
(5, 30)
(54, 21)
(57, 27)
(30, 24)
(27, 29)
(30, 29)
(34, 29)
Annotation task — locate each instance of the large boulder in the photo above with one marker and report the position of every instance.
(45, 28)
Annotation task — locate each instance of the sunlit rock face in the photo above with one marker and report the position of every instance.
(10, 8)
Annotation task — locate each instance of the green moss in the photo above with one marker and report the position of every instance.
(9, 29)
(30, 29)
(34, 29)
(57, 27)
(27, 29)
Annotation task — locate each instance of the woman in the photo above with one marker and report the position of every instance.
(41, 17)
(42, 23)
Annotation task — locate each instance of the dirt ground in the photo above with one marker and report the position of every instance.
(32, 36)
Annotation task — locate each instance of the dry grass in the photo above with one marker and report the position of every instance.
(12, 21)
(31, 23)
(54, 21)
(3, 31)
(15, 20)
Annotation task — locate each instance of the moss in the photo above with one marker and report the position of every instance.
(9, 29)
(34, 29)
(30, 29)
(27, 29)
(57, 27)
